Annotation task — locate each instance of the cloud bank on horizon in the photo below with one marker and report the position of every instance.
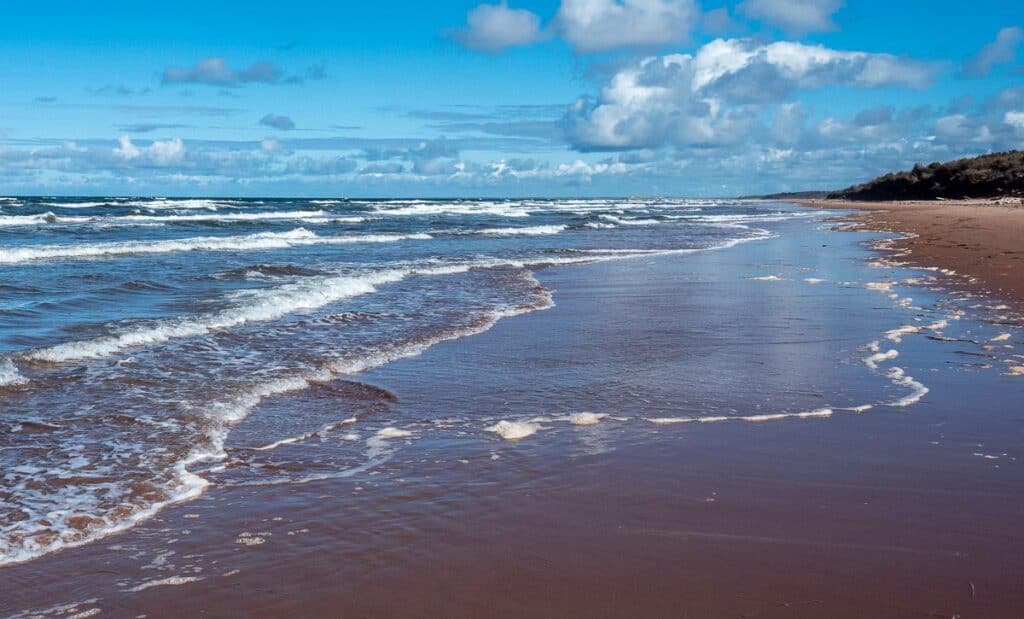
(556, 97)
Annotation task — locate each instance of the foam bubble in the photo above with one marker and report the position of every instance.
(513, 430)
(880, 286)
(308, 435)
(863, 408)
(899, 377)
(880, 357)
(896, 335)
(819, 413)
(586, 419)
(393, 433)
(172, 581)
(9, 374)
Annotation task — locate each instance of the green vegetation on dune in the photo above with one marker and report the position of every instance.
(998, 174)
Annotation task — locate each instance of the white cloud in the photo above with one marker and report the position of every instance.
(700, 99)
(158, 152)
(601, 25)
(1014, 119)
(795, 16)
(1000, 51)
(125, 149)
(962, 129)
(166, 152)
(494, 27)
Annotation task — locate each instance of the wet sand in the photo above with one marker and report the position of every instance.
(895, 512)
(983, 239)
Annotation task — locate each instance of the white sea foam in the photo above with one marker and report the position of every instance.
(188, 203)
(880, 286)
(766, 278)
(863, 408)
(513, 430)
(819, 413)
(525, 231)
(9, 374)
(631, 221)
(413, 208)
(39, 219)
(1002, 337)
(308, 435)
(393, 433)
(259, 241)
(225, 217)
(77, 204)
(586, 418)
(165, 582)
(918, 391)
(880, 357)
(115, 220)
(896, 335)
(49, 532)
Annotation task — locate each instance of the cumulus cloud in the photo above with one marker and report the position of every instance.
(794, 16)
(705, 98)
(158, 152)
(495, 27)
(215, 71)
(601, 25)
(1014, 119)
(1001, 51)
(275, 121)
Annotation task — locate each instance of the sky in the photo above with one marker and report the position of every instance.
(517, 98)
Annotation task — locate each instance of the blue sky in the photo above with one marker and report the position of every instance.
(569, 97)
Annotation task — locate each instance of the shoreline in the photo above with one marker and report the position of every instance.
(980, 240)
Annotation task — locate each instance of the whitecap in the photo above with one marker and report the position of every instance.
(9, 374)
(586, 418)
(259, 241)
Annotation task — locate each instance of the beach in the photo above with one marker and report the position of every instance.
(787, 426)
(983, 239)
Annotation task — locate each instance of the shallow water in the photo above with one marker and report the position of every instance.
(135, 333)
(317, 382)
